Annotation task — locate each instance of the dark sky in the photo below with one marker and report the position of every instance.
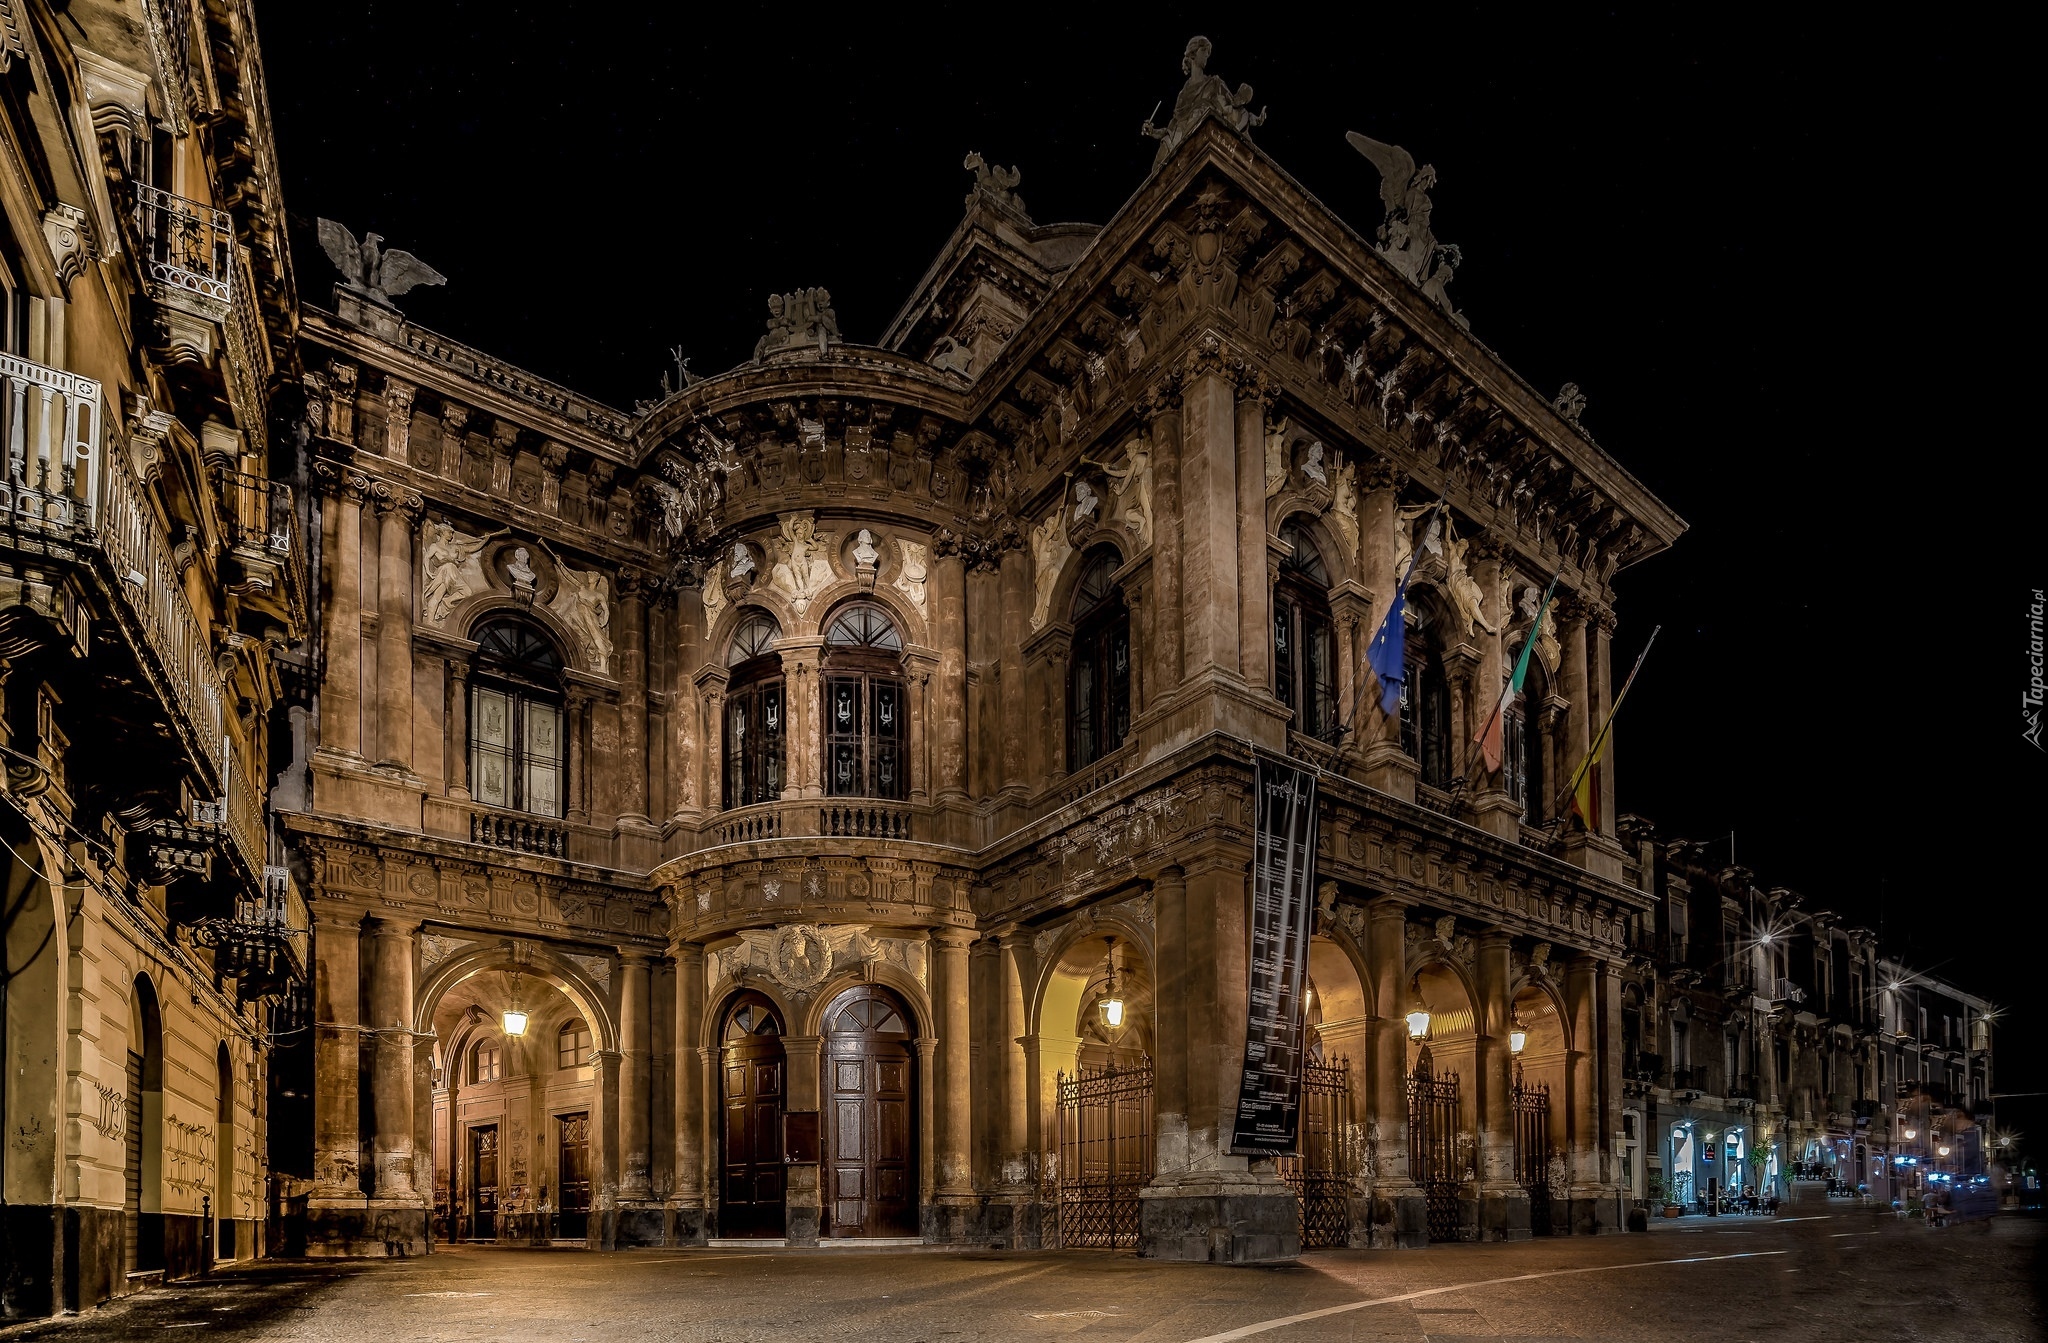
(1773, 256)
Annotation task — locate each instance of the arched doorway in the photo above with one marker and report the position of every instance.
(1540, 1113)
(1093, 1054)
(1443, 1101)
(753, 1077)
(224, 1157)
(145, 1124)
(870, 1071)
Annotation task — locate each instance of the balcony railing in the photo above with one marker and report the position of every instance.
(263, 528)
(747, 825)
(50, 422)
(1785, 991)
(188, 249)
(519, 833)
(857, 819)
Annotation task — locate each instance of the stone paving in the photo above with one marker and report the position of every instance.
(1833, 1278)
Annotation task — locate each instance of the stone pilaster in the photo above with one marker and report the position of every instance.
(632, 758)
(341, 711)
(688, 1216)
(398, 512)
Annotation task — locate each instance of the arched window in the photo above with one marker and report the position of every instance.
(865, 724)
(486, 1062)
(1099, 674)
(517, 756)
(572, 1046)
(1426, 703)
(1304, 645)
(755, 714)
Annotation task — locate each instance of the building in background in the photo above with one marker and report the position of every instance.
(152, 585)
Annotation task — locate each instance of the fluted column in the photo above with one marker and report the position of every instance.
(949, 700)
(398, 512)
(1016, 600)
(337, 1052)
(341, 686)
(632, 698)
(636, 1090)
(955, 1118)
(391, 1073)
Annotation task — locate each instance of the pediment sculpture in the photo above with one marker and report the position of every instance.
(1204, 95)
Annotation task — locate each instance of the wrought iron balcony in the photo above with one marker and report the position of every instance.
(262, 945)
(263, 535)
(50, 422)
(188, 251)
(1785, 991)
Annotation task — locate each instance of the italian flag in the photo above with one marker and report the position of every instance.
(1490, 741)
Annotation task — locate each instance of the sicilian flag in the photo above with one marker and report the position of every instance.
(1387, 653)
(1490, 740)
(1585, 788)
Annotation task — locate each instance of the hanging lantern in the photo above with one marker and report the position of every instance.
(1111, 1005)
(514, 1018)
(1518, 1035)
(1418, 1016)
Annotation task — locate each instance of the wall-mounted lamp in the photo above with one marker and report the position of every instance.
(1418, 1016)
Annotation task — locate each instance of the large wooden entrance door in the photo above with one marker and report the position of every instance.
(483, 1182)
(870, 1071)
(751, 1087)
(572, 1175)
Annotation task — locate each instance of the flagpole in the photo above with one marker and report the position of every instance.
(1598, 741)
(1414, 560)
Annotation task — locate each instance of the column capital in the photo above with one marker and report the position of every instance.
(636, 959)
(953, 939)
(393, 925)
(388, 499)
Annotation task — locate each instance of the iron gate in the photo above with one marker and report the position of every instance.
(1322, 1172)
(1433, 1146)
(1532, 1151)
(1104, 1154)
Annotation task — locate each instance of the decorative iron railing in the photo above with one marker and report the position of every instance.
(188, 248)
(1103, 1154)
(260, 518)
(1785, 991)
(1323, 1172)
(263, 944)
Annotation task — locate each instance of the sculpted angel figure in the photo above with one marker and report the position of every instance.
(1465, 593)
(583, 606)
(1203, 95)
(442, 560)
(1404, 536)
(1405, 235)
(1049, 551)
(801, 570)
(1547, 650)
(1132, 486)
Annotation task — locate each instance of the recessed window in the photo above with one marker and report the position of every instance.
(518, 757)
(1304, 644)
(572, 1046)
(486, 1062)
(1099, 672)
(866, 724)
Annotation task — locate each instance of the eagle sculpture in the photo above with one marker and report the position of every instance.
(371, 269)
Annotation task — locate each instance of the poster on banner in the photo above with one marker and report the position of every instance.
(1283, 902)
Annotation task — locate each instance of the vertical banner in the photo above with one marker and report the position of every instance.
(1283, 901)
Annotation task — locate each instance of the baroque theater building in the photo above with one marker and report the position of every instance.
(818, 804)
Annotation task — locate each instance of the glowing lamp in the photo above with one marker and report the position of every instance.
(1111, 1007)
(1418, 1018)
(1518, 1035)
(1943, 1149)
(514, 1018)
(1910, 1133)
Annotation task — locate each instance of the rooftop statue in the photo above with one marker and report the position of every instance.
(798, 318)
(1203, 95)
(996, 184)
(369, 268)
(1406, 238)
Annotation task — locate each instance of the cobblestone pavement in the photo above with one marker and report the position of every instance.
(1845, 1276)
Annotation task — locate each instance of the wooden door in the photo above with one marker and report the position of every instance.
(870, 1149)
(572, 1175)
(483, 1181)
(751, 1087)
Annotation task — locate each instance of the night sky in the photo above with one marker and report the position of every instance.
(1773, 257)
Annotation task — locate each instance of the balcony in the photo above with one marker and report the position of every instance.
(518, 832)
(195, 272)
(838, 818)
(1647, 1067)
(263, 944)
(1785, 991)
(860, 818)
(50, 422)
(264, 543)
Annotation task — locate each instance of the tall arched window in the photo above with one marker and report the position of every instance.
(517, 756)
(1304, 646)
(756, 715)
(865, 728)
(1426, 702)
(1099, 674)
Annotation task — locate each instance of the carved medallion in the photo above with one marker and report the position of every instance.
(802, 957)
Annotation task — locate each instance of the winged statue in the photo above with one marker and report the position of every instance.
(1406, 238)
(370, 268)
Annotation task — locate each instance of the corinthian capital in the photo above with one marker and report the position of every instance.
(389, 498)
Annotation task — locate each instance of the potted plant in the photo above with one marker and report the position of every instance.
(1665, 1191)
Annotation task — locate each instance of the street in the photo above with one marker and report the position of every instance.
(1845, 1275)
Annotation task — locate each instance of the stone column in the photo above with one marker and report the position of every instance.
(955, 1116)
(1163, 405)
(928, 1136)
(1170, 1025)
(457, 758)
(1504, 1213)
(391, 1069)
(949, 700)
(688, 1218)
(803, 1193)
(1016, 601)
(604, 1133)
(1398, 1212)
(576, 724)
(711, 698)
(1599, 640)
(636, 1060)
(1255, 592)
(632, 700)
(1016, 1169)
(341, 710)
(1576, 687)
(1209, 521)
(1497, 813)
(1607, 993)
(398, 512)
(337, 1053)
(1387, 767)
